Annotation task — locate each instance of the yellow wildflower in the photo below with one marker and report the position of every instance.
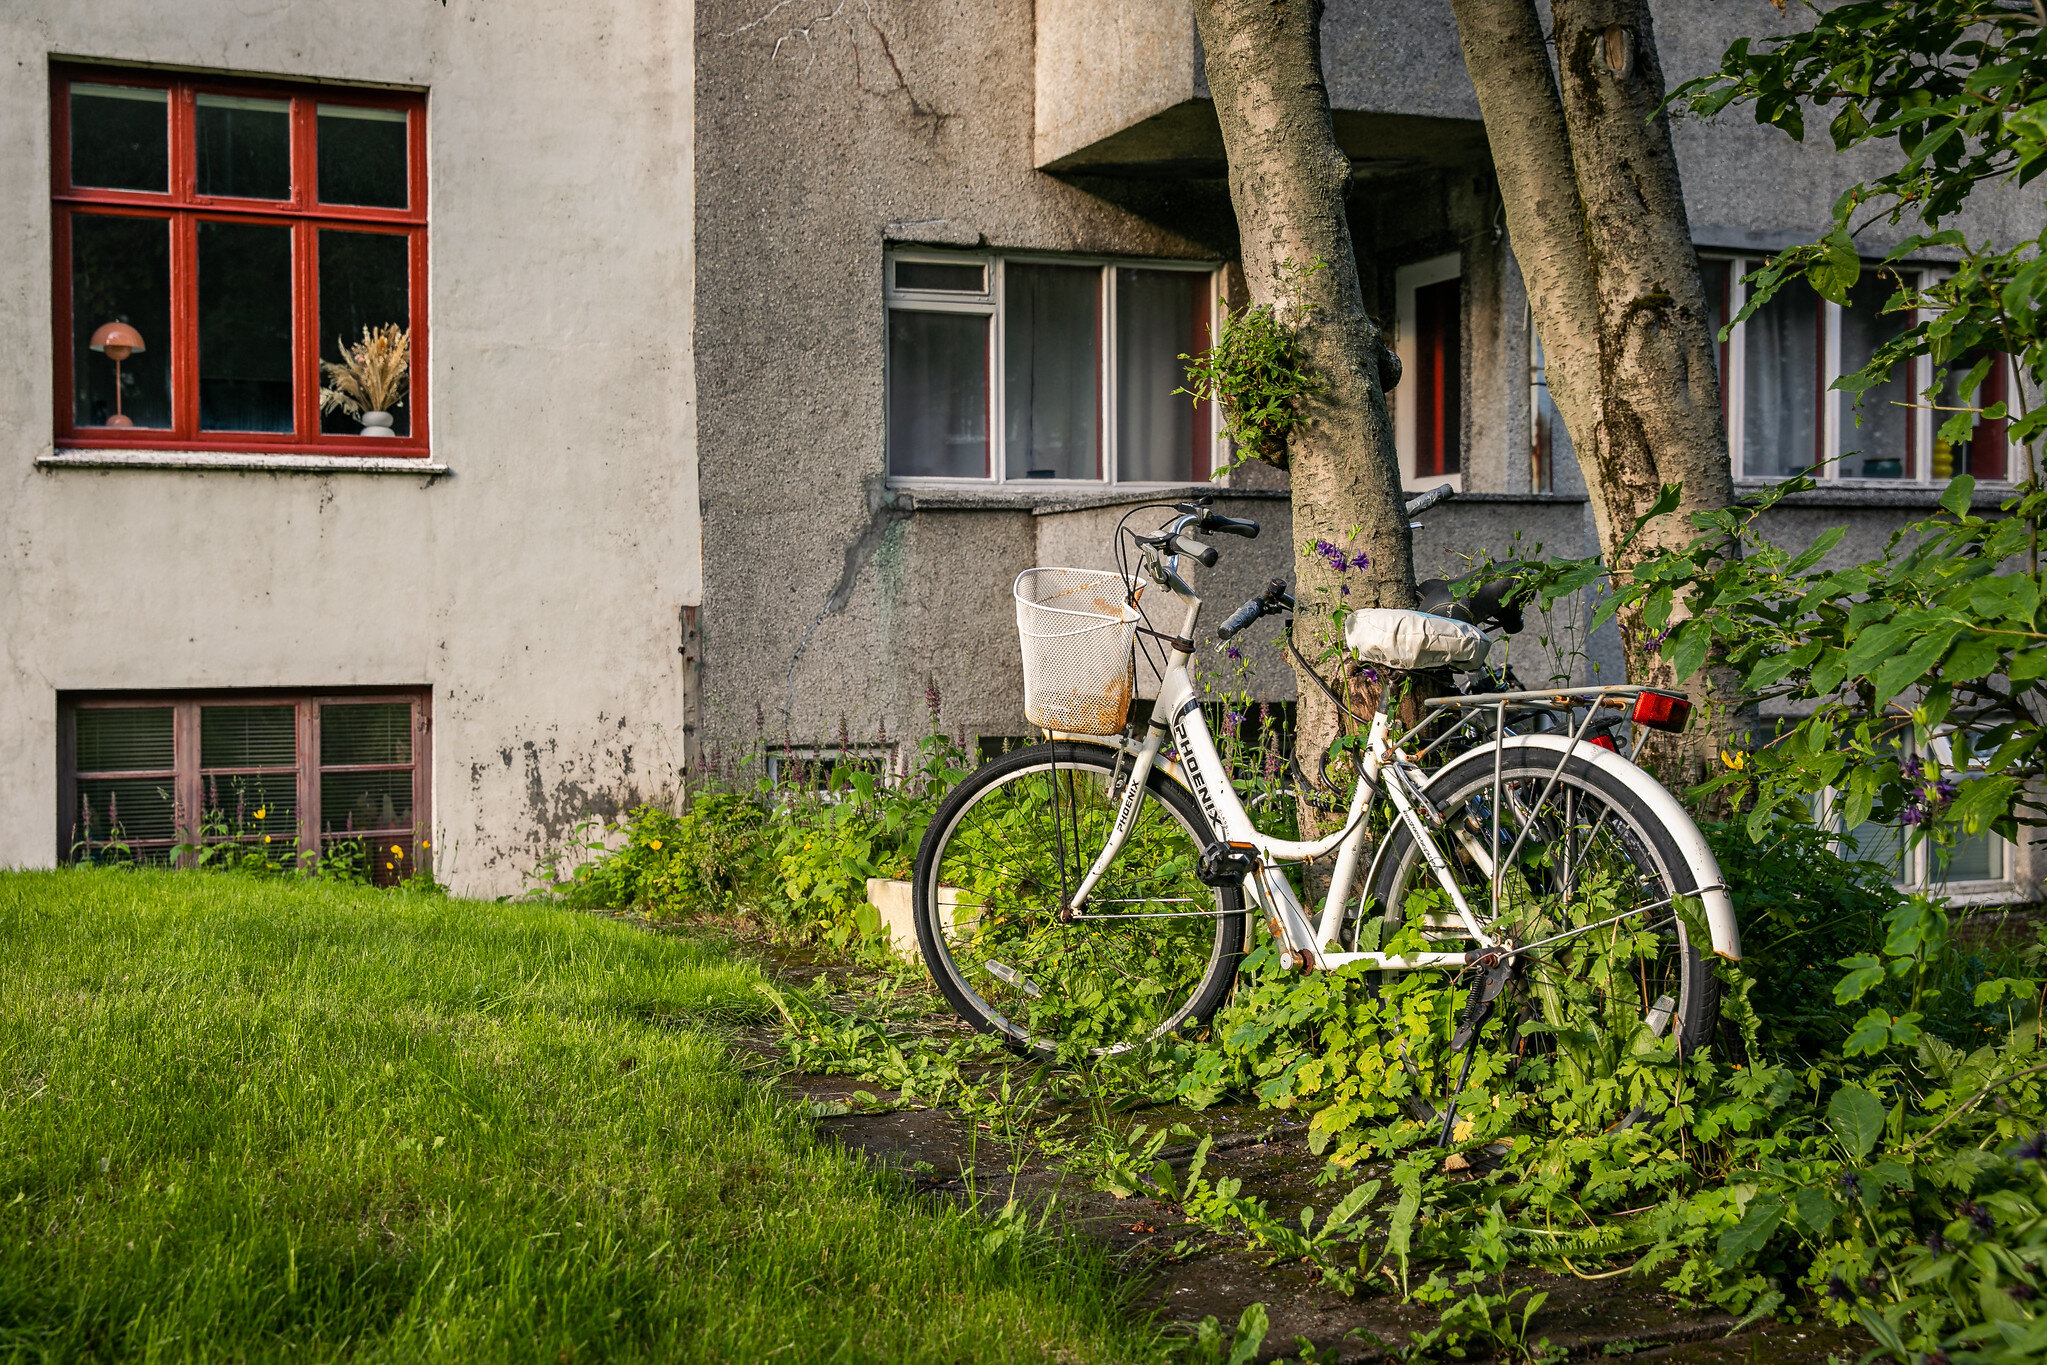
(1734, 760)
(654, 844)
(260, 810)
(397, 852)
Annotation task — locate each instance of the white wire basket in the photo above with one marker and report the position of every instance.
(1078, 666)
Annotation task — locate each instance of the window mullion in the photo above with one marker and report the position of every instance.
(305, 328)
(1737, 368)
(1112, 455)
(307, 722)
(188, 792)
(184, 229)
(997, 401)
(1831, 436)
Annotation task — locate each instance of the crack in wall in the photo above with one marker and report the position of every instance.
(884, 512)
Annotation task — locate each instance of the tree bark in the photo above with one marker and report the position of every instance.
(1596, 214)
(1287, 183)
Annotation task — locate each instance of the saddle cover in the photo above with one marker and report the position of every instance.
(1414, 640)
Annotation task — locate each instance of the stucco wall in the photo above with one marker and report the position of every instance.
(536, 588)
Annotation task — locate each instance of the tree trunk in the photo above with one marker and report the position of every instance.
(1287, 183)
(1596, 214)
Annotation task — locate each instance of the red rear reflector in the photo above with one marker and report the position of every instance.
(1605, 742)
(1661, 711)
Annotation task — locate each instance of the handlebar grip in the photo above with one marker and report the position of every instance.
(1235, 526)
(1204, 555)
(1240, 618)
(1417, 506)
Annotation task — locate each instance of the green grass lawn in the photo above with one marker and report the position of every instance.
(248, 1119)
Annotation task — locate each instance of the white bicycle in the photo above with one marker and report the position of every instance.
(1088, 894)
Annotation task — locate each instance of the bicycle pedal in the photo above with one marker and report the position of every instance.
(1227, 864)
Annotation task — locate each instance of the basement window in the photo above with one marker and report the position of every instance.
(159, 778)
(1014, 369)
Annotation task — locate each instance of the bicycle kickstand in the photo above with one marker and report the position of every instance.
(1476, 1011)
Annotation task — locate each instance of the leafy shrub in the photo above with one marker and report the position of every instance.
(710, 859)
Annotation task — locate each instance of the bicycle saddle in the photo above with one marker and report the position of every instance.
(1495, 604)
(1414, 640)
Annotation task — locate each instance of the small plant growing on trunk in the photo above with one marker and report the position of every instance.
(1256, 373)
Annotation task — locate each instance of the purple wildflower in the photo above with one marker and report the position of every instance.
(881, 732)
(845, 734)
(1978, 1215)
(1370, 675)
(2033, 1148)
(1851, 1184)
(1936, 1245)
(2024, 1293)
(1838, 1290)
(1912, 767)
(1233, 654)
(1944, 791)
(1361, 560)
(1913, 815)
(1233, 719)
(931, 700)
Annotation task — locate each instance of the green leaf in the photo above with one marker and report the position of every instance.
(1815, 1210)
(1251, 1329)
(1857, 1118)
(1690, 649)
(1837, 268)
(1816, 551)
(1865, 973)
(1958, 494)
(1907, 668)
(1750, 1235)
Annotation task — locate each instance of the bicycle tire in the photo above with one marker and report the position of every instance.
(1067, 987)
(1680, 977)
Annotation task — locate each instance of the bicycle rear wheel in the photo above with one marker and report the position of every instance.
(1153, 951)
(1592, 893)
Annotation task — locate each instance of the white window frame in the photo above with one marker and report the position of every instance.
(1406, 416)
(1838, 431)
(1918, 868)
(991, 304)
(889, 759)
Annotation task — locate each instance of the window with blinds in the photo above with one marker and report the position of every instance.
(158, 778)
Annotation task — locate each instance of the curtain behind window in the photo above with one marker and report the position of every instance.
(1880, 432)
(1155, 325)
(1780, 420)
(1050, 384)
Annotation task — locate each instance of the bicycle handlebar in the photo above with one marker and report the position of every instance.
(1442, 493)
(1273, 599)
(1233, 526)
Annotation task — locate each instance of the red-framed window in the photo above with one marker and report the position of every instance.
(217, 242)
(158, 777)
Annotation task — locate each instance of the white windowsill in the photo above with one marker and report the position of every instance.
(420, 466)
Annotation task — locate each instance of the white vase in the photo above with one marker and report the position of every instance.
(377, 424)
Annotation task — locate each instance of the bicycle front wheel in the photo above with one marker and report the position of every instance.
(1152, 952)
(1588, 886)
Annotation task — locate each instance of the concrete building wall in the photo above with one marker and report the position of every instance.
(535, 587)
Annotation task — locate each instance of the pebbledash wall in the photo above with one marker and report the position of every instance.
(533, 573)
(831, 136)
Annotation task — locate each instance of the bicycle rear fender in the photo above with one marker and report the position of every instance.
(1702, 867)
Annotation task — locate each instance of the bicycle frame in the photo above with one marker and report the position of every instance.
(1199, 767)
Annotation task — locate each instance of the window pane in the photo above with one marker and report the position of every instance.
(244, 147)
(248, 736)
(1716, 277)
(252, 804)
(1882, 435)
(379, 732)
(121, 273)
(1156, 323)
(1051, 370)
(244, 327)
(365, 284)
(1781, 375)
(1439, 378)
(938, 394)
(120, 138)
(355, 803)
(954, 276)
(125, 738)
(1983, 453)
(362, 156)
(1883, 845)
(1974, 858)
(125, 809)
